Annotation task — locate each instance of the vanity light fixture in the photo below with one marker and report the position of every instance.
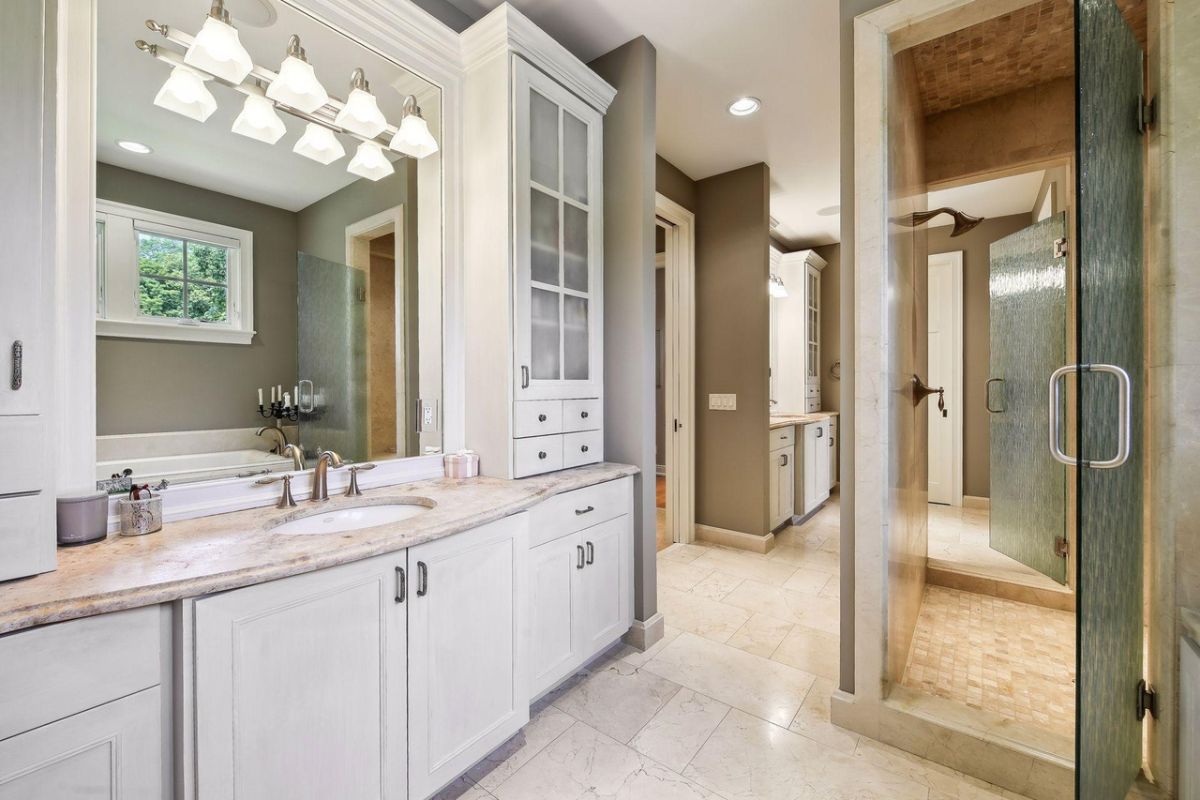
(744, 106)
(361, 113)
(217, 49)
(775, 286)
(413, 137)
(369, 162)
(134, 147)
(258, 120)
(185, 93)
(297, 85)
(319, 144)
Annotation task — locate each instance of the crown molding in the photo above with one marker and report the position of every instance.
(505, 29)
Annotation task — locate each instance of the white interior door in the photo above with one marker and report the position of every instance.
(945, 370)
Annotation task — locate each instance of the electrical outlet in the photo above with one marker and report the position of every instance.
(722, 402)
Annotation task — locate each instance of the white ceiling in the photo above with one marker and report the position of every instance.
(1000, 197)
(785, 52)
(209, 154)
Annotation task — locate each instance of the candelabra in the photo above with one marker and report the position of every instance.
(277, 410)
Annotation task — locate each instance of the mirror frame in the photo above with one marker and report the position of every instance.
(402, 33)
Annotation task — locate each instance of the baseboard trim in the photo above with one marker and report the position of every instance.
(644, 634)
(736, 539)
(971, 501)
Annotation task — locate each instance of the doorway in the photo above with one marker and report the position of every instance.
(945, 326)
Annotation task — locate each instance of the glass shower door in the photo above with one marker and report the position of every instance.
(332, 357)
(1109, 402)
(1028, 341)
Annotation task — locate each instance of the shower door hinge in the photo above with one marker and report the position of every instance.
(1147, 700)
(1061, 547)
(1147, 113)
(1060, 247)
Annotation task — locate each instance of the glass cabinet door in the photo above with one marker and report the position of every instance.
(558, 240)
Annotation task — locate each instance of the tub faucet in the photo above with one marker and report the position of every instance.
(297, 456)
(280, 438)
(320, 490)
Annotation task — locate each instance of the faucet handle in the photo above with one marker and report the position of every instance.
(352, 489)
(285, 499)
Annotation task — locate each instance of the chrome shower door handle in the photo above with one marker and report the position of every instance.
(1124, 416)
(305, 388)
(1055, 420)
(987, 395)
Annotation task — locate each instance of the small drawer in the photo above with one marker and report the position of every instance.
(569, 512)
(783, 437)
(813, 391)
(582, 415)
(537, 455)
(537, 418)
(26, 436)
(812, 405)
(583, 448)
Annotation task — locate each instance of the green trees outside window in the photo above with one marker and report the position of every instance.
(182, 279)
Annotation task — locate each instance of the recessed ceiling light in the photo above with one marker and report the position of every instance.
(744, 106)
(134, 147)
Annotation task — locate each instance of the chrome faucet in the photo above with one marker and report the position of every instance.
(297, 456)
(280, 438)
(320, 488)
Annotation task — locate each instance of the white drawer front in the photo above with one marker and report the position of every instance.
(783, 437)
(812, 405)
(583, 448)
(25, 436)
(536, 455)
(582, 415)
(573, 511)
(537, 418)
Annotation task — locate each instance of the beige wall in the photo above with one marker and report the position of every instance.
(732, 349)
(1025, 127)
(671, 181)
(146, 386)
(975, 246)
(831, 321)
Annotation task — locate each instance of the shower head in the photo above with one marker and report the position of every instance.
(962, 222)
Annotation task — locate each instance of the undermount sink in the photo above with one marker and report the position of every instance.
(354, 518)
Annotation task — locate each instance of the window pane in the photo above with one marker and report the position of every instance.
(160, 298)
(206, 303)
(575, 160)
(206, 262)
(160, 255)
(543, 140)
(544, 338)
(543, 238)
(575, 248)
(575, 338)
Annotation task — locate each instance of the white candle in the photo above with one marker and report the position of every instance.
(296, 394)
(260, 396)
(280, 388)
(272, 394)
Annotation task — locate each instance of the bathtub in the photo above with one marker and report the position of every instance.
(196, 466)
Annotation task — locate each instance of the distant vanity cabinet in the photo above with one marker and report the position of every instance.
(782, 476)
(818, 446)
(796, 332)
(534, 365)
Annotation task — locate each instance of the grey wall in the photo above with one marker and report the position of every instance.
(831, 321)
(733, 349)
(975, 245)
(322, 225)
(673, 183)
(629, 170)
(145, 386)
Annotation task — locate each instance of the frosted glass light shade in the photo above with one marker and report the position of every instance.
(413, 138)
(218, 50)
(361, 115)
(297, 86)
(185, 93)
(775, 287)
(369, 162)
(258, 120)
(319, 144)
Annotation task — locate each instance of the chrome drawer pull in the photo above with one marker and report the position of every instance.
(18, 353)
(401, 585)
(579, 551)
(542, 455)
(591, 553)
(579, 512)
(422, 579)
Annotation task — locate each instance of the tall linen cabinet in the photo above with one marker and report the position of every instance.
(533, 190)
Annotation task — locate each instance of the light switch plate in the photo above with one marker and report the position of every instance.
(722, 402)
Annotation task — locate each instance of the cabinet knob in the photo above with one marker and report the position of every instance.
(583, 414)
(542, 455)
(541, 417)
(583, 449)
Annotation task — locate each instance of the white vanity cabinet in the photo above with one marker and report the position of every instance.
(782, 476)
(796, 332)
(816, 464)
(27, 540)
(581, 579)
(534, 258)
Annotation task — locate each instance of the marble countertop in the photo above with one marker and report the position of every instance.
(783, 420)
(189, 558)
(1191, 623)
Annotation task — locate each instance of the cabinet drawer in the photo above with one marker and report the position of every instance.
(54, 671)
(583, 448)
(26, 436)
(582, 415)
(783, 437)
(537, 418)
(573, 511)
(537, 455)
(812, 405)
(26, 536)
(812, 390)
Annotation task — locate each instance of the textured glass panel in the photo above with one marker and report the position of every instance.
(575, 158)
(575, 338)
(543, 140)
(332, 353)
(206, 262)
(1028, 302)
(544, 338)
(543, 237)
(206, 303)
(160, 297)
(575, 248)
(1109, 261)
(160, 255)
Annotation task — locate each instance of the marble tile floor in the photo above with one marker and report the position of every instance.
(732, 704)
(959, 539)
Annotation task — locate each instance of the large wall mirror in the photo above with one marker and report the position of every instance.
(261, 294)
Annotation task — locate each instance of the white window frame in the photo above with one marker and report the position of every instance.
(118, 314)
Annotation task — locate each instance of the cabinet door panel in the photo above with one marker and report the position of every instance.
(603, 604)
(787, 485)
(773, 459)
(111, 751)
(555, 571)
(300, 686)
(467, 684)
